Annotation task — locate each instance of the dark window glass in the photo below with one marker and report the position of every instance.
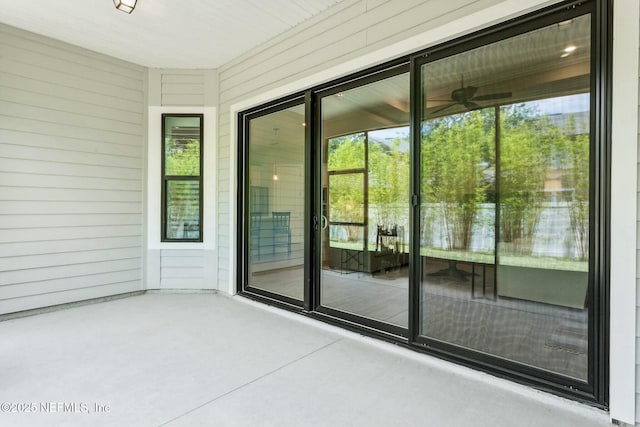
(276, 150)
(365, 180)
(183, 210)
(182, 177)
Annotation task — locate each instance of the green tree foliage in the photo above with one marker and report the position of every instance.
(182, 157)
(346, 190)
(459, 168)
(387, 175)
(346, 152)
(574, 158)
(457, 152)
(536, 162)
(526, 153)
(389, 182)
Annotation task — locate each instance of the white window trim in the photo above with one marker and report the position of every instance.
(154, 178)
(624, 211)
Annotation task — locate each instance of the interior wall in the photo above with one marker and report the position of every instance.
(182, 265)
(280, 151)
(71, 173)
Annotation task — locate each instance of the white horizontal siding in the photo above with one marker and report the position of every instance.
(44, 125)
(182, 265)
(36, 179)
(67, 246)
(72, 127)
(18, 263)
(88, 290)
(79, 145)
(182, 269)
(182, 88)
(347, 30)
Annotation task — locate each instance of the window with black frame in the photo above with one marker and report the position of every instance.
(182, 177)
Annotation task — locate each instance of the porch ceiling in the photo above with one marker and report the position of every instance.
(163, 33)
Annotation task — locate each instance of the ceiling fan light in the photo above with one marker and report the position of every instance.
(125, 5)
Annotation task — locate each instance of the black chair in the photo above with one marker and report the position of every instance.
(281, 229)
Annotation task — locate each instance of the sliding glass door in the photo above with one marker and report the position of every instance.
(505, 198)
(453, 201)
(274, 198)
(364, 137)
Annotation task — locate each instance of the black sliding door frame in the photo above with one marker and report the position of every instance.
(595, 390)
(371, 76)
(243, 285)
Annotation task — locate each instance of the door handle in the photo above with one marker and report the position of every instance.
(325, 222)
(315, 223)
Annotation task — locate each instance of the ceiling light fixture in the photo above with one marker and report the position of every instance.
(125, 5)
(568, 51)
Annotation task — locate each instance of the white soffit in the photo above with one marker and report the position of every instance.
(163, 33)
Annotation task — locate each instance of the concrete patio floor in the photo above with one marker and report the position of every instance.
(196, 359)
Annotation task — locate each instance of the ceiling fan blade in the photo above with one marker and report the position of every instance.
(463, 94)
(491, 96)
(442, 109)
(472, 105)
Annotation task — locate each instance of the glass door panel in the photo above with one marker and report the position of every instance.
(365, 199)
(276, 153)
(505, 198)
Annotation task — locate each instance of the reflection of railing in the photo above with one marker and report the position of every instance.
(255, 232)
(269, 233)
(281, 229)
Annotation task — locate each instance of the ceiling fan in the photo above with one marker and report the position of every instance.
(465, 95)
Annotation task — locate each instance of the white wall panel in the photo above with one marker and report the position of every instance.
(623, 328)
(182, 265)
(182, 269)
(182, 88)
(72, 128)
(87, 290)
(69, 144)
(67, 246)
